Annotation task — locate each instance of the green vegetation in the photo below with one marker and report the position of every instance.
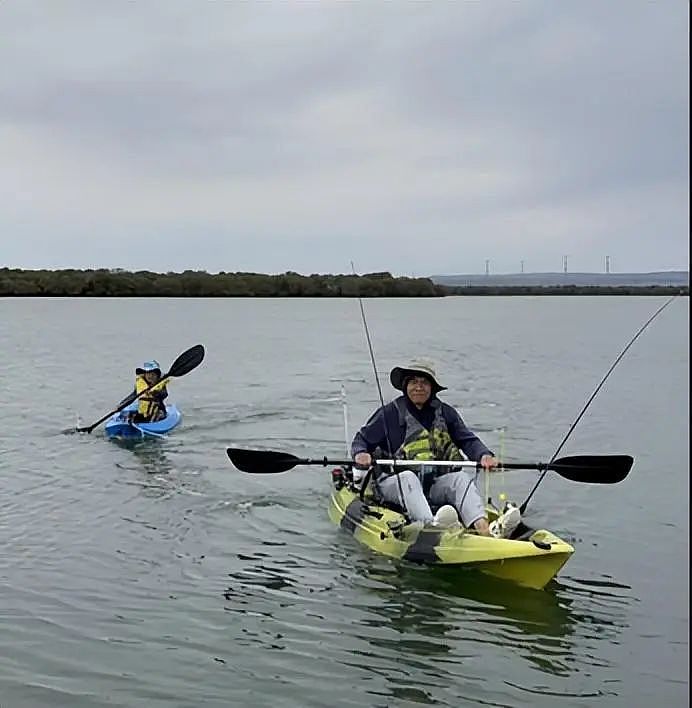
(120, 283)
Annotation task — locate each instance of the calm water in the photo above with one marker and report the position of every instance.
(158, 575)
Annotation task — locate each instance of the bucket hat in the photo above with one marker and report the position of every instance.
(417, 367)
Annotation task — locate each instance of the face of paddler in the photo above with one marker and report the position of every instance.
(419, 390)
(152, 377)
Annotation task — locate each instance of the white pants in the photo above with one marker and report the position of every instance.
(456, 488)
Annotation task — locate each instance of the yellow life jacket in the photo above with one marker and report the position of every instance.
(422, 444)
(152, 401)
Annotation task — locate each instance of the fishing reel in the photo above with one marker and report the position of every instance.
(340, 477)
(344, 477)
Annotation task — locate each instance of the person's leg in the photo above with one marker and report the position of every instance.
(459, 489)
(414, 500)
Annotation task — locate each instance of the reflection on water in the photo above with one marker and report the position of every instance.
(157, 467)
(448, 613)
(421, 632)
(400, 621)
(148, 455)
(531, 611)
(442, 604)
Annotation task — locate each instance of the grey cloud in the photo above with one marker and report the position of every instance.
(321, 124)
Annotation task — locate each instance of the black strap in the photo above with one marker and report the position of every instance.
(366, 480)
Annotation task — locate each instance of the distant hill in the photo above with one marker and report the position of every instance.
(675, 278)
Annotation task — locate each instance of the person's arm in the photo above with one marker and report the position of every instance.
(381, 429)
(370, 436)
(464, 438)
(159, 391)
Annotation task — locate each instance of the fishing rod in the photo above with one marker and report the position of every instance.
(379, 391)
(522, 508)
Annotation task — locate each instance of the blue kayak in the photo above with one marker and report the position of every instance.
(118, 425)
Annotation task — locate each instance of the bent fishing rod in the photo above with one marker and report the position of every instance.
(524, 504)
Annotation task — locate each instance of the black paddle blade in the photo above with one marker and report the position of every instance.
(261, 461)
(187, 361)
(593, 469)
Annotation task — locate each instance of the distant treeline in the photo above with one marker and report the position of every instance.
(120, 283)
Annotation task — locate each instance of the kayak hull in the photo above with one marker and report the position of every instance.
(530, 561)
(118, 425)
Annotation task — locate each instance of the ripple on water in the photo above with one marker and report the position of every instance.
(157, 575)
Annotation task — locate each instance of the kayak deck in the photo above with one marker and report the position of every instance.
(119, 425)
(531, 561)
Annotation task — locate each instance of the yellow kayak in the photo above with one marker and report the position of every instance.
(531, 558)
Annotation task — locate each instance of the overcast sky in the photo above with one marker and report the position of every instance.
(418, 138)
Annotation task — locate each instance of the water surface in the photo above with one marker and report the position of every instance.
(158, 575)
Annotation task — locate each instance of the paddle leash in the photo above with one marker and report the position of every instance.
(524, 504)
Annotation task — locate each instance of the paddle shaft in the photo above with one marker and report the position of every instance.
(594, 469)
(392, 463)
(428, 463)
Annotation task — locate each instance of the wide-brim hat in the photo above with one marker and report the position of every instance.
(417, 367)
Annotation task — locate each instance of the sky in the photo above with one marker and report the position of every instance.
(417, 138)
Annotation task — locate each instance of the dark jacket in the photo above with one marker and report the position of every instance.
(372, 435)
